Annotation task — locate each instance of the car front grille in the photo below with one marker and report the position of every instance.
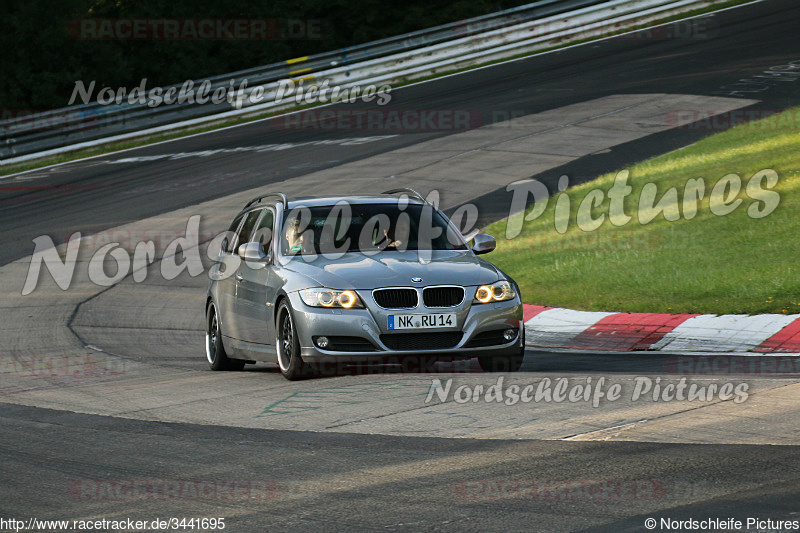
(442, 296)
(396, 298)
(422, 341)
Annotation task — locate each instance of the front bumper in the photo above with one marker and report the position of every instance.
(370, 324)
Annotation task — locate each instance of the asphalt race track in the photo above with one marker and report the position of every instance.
(371, 482)
(89, 196)
(363, 450)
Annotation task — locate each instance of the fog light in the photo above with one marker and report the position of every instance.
(322, 342)
(509, 335)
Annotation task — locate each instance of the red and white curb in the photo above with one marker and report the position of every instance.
(552, 327)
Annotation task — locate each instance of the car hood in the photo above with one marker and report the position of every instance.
(395, 269)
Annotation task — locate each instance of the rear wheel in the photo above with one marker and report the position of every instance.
(215, 351)
(288, 345)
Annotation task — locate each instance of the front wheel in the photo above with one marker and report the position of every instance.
(215, 351)
(288, 345)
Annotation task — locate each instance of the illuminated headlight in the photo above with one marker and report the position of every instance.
(321, 297)
(497, 292)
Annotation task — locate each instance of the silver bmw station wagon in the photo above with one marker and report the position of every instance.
(318, 281)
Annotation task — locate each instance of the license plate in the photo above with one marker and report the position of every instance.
(430, 321)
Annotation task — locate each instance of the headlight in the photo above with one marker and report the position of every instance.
(321, 297)
(497, 292)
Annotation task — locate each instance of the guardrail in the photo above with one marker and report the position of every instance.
(539, 25)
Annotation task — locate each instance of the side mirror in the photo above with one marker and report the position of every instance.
(252, 251)
(483, 244)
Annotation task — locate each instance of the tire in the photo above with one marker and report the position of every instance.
(215, 351)
(502, 363)
(287, 345)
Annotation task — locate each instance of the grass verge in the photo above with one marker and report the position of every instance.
(711, 263)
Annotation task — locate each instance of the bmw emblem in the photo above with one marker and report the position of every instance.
(416, 280)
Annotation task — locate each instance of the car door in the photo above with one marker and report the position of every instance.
(229, 266)
(253, 303)
(222, 273)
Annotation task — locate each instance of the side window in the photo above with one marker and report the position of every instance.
(229, 242)
(247, 228)
(263, 233)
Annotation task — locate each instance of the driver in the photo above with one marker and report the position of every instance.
(294, 238)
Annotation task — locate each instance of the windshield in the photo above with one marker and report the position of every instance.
(348, 227)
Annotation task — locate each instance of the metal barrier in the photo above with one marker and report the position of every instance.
(534, 26)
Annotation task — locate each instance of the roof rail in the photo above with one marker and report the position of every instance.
(280, 195)
(406, 190)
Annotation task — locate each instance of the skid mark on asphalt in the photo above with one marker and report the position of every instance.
(605, 434)
(302, 401)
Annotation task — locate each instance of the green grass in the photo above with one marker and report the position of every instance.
(142, 141)
(709, 264)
